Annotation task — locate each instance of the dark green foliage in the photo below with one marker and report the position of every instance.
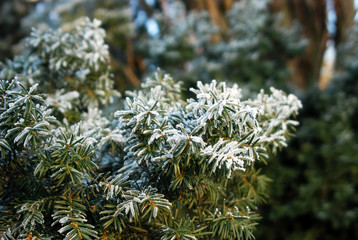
(315, 193)
(11, 14)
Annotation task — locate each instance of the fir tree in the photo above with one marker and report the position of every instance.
(116, 18)
(175, 170)
(187, 169)
(76, 62)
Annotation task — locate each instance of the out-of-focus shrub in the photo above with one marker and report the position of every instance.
(253, 49)
(315, 193)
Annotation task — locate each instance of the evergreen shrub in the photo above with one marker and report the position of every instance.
(158, 168)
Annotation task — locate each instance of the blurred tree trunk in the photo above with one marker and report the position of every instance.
(345, 18)
(216, 8)
(312, 16)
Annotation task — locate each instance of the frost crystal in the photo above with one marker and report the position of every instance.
(218, 127)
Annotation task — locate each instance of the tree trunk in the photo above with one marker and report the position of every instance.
(312, 16)
(345, 18)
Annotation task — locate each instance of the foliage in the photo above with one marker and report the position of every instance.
(116, 18)
(163, 168)
(75, 61)
(11, 14)
(315, 195)
(347, 63)
(191, 46)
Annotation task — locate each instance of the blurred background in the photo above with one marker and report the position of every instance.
(306, 47)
